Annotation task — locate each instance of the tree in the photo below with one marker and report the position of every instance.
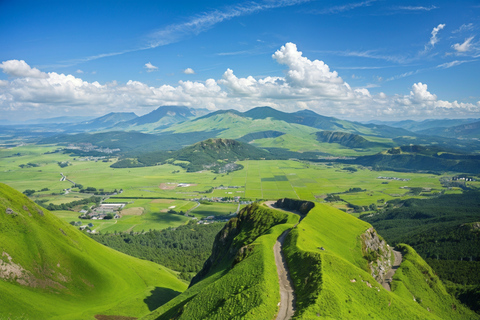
(28, 192)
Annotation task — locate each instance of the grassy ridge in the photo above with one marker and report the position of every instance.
(337, 285)
(244, 290)
(68, 275)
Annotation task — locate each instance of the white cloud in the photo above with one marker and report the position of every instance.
(79, 71)
(189, 71)
(453, 63)
(150, 67)
(434, 39)
(464, 27)
(306, 84)
(343, 8)
(417, 8)
(19, 68)
(465, 46)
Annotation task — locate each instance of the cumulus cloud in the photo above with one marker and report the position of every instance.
(150, 67)
(189, 71)
(19, 68)
(306, 84)
(465, 46)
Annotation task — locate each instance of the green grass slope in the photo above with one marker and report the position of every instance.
(239, 280)
(50, 270)
(337, 284)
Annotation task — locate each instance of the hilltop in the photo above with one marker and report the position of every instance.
(51, 270)
(219, 155)
(343, 255)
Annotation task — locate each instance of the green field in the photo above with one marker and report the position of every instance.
(260, 179)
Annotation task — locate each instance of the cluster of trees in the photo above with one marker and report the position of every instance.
(70, 205)
(29, 165)
(30, 192)
(183, 249)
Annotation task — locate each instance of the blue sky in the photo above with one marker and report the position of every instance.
(356, 60)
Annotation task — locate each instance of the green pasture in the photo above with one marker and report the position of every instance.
(214, 209)
(260, 179)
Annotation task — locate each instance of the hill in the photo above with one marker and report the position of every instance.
(348, 139)
(443, 230)
(160, 118)
(420, 158)
(463, 131)
(239, 279)
(101, 123)
(51, 270)
(218, 155)
(416, 126)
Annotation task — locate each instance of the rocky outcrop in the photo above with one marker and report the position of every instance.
(302, 206)
(378, 254)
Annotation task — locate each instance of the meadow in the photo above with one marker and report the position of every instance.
(144, 188)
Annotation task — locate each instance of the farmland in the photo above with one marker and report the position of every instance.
(150, 192)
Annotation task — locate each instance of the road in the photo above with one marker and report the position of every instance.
(389, 276)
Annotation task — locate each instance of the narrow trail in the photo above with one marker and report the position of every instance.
(287, 294)
(389, 276)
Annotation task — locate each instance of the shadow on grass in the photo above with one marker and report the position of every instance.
(166, 217)
(159, 296)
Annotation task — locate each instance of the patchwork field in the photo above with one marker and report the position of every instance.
(149, 192)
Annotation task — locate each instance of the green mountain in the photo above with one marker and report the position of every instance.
(218, 155)
(348, 139)
(51, 270)
(463, 131)
(160, 118)
(102, 123)
(333, 259)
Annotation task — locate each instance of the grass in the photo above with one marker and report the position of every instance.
(258, 180)
(337, 284)
(70, 275)
(243, 291)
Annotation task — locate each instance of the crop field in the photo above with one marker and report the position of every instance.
(150, 192)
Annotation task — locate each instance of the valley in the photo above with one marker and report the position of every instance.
(182, 195)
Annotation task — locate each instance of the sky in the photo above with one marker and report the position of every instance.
(355, 60)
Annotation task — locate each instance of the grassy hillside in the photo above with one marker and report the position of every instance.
(238, 278)
(348, 139)
(462, 131)
(50, 270)
(337, 286)
(213, 154)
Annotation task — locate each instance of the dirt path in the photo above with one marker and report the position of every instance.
(389, 276)
(287, 295)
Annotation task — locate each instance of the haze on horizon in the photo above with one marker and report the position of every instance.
(355, 60)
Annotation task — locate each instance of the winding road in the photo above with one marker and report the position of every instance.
(287, 294)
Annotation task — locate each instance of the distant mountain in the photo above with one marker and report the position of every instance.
(419, 158)
(463, 131)
(348, 139)
(218, 155)
(161, 118)
(104, 122)
(64, 119)
(260, 135)
(51, 270)
(415, 126)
